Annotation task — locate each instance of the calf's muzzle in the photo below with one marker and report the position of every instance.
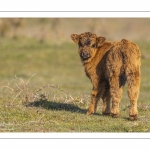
(85, 55)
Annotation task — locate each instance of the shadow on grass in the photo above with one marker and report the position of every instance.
(49, 105)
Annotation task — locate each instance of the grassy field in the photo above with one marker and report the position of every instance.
(43, 88)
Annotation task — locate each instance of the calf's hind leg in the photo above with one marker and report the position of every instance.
(106, 103)
(116, 95)
(133, 80)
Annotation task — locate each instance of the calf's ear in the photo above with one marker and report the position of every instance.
(75, 38)
(100, 41)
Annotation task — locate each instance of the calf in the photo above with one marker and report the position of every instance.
(109, 65)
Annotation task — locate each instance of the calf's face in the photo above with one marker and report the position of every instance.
(88, 44)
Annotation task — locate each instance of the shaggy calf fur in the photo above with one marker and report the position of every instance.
(109, 65)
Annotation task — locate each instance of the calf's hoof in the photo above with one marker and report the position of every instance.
(89, 112)
(114, 115)
(133, 117)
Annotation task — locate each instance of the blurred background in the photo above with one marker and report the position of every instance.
(59, 29)
(43, 46)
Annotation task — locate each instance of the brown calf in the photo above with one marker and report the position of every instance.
(109, 65)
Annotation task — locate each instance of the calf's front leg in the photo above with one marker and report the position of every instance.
(93, 105)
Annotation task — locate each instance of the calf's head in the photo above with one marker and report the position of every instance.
(88, 44)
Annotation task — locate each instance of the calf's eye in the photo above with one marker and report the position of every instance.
(80, 44)
(94, 45)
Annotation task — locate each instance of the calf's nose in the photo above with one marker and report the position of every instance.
(85, 54)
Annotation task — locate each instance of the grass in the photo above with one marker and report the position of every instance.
(44, 89)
